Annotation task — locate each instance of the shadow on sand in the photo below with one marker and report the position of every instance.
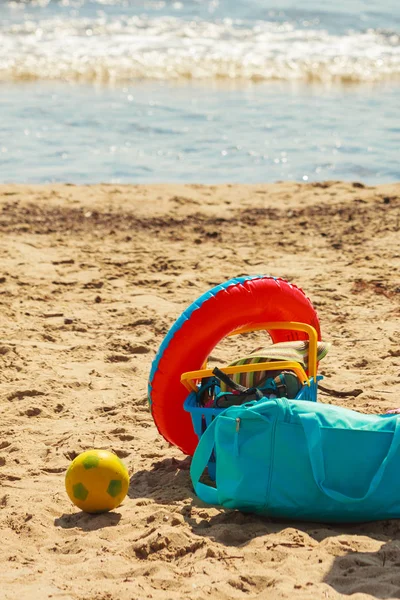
(87, 522)
(375, 573)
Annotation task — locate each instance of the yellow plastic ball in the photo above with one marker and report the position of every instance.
(97, 481)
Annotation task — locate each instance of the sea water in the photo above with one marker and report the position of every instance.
(199, 91)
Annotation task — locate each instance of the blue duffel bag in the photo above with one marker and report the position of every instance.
(302, 460)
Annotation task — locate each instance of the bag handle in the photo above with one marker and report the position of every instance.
(312, 432)
(199, 462)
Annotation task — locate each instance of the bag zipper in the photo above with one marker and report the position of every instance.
(236, 438)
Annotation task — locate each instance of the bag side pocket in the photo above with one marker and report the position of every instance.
(244, 460)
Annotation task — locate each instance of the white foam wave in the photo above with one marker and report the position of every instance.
(127, 48)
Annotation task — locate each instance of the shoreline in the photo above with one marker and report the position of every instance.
(91, 279)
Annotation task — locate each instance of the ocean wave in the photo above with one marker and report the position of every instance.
(169, 48)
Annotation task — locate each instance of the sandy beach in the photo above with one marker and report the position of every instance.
(91, 280)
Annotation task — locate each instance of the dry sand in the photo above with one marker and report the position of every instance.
(91, 279)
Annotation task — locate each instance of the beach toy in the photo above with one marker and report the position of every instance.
(236, 306)
(97, 481)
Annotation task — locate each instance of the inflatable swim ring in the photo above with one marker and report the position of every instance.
(238, 303)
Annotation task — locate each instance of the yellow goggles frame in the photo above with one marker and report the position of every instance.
(191, 378)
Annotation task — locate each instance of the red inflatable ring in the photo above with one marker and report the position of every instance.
(240, 302)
